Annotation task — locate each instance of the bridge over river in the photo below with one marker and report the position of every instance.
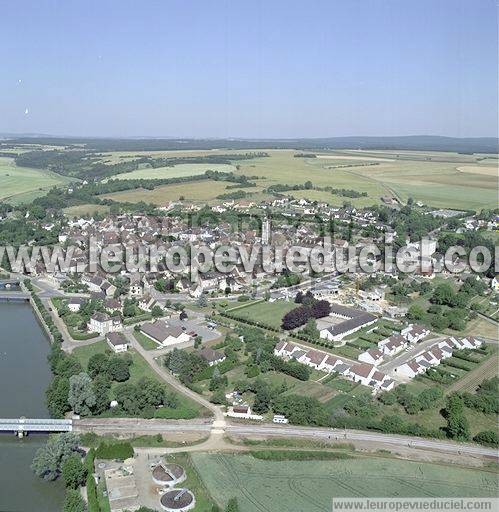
(23, 426)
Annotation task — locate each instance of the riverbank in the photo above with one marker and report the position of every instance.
(24, 376)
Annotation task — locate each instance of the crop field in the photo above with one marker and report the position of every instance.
(86, 209)
(269, 313)
(23, 184)
(177, 171)
(296, 486)
(196, 191)
(438, 179)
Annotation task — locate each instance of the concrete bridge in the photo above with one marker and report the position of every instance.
(14, 296)
(23, 426)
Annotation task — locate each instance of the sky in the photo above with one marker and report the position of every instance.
(252, 69)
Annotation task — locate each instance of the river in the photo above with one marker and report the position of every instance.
(24, 377)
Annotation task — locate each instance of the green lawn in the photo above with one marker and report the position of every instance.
(138, 369)
(297, 486)
(269, 313)
(145, 341)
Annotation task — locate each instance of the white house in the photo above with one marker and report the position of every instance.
(410, 369)
(414, 332)
(354, 319)
(147, 304)
(212, 357)
(368, 375)
(103, 323)
(117, 342)
(313, 358)
(372, 356)
(392, 345)
(284, 349)
(243, 412)
(471, 342)
(75, 304)
(163, 333)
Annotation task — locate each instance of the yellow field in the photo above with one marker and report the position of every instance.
(86, 209)
(196, 191)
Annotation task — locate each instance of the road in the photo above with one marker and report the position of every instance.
(409, 354)
(104, 426)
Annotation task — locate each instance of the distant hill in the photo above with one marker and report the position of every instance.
(413, 142)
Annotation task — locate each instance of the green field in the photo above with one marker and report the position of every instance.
(298, 486)
(177, 171)
(22, 184)
(437, 179)
(269, 313)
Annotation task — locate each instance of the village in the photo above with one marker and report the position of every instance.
(366, 334)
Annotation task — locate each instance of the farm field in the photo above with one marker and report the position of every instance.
(438, 179)
(196, 191)
(23, 184)
(86, 209)
(177, 171)
(294, 486)
(269, 313)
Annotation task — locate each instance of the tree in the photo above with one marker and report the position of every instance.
(202, 301)
(81, 395)
(457, 424)
(218, 397)
(73, 502)
(440, 322)
(310, 328)
(129, 308)
(118, 369)
(74, 472)
(68, 366)
(101, 386)
(175, 361)
(197, 341)
(157, 311)
(183, 315)
(48, 460)
(232, 505)
(321, 308)
(416, 312)
(57, 397)
(263, 397)
(98, 363)
(487, 438)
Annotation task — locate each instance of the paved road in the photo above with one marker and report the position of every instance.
(408, 354)
(391, 440)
